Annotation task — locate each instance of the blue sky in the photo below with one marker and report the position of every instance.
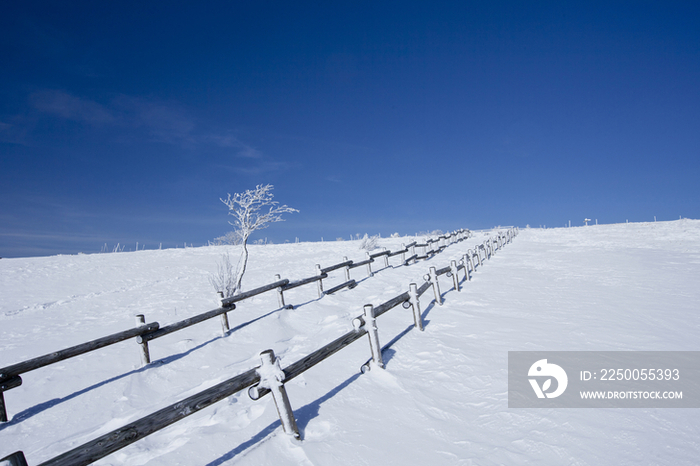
(127, 121)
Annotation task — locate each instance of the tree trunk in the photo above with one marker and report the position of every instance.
(242, 262)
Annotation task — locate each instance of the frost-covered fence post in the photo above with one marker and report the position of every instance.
(468, 267)
(373, 333)
(319, 281)
(477, 253)
(272, 378)
(403, 253)
(346, 269)
(369, 264)
(386, 258)
(145, 354)
(433, 279)
(415, 305)
(280, 293)
(224, 317)
(455, 277)
(472, 254)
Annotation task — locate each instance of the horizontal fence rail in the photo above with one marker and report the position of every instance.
(41, 361)
(10, 375)
(168, 329)
(257, 385)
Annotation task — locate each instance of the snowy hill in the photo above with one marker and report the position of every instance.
(443, 396)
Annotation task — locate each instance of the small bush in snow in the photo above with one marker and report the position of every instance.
(224, 282)
(396, 235)
(369, 243)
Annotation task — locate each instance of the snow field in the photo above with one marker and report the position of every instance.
(443, 396)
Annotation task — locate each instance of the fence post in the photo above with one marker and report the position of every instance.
(224, 316)
(415, 304)
(280, 293)
(373, 333)
(145, 354)
(7, 384)
(403, 254)
(413, 251)
(436, 286)
(455, 278)
(319, 281)
(272, 377)
(468, 267)
(369, 264)
(386, 258)
(347, 269)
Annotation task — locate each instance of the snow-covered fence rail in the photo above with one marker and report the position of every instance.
(10, 375)
(267, 378)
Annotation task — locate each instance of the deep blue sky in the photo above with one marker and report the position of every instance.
(127, 121)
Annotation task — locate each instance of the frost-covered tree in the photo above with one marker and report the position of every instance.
(252, 210)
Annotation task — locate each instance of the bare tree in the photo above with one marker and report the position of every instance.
(248, 211)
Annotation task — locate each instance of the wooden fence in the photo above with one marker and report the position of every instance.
(10, 376)
(269, 377)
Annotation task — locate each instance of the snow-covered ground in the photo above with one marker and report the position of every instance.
(443, 396)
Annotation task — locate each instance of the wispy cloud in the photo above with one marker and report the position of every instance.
(70, 107)
(133, 119)
(231, 141)
(164, 122)
(264, 166)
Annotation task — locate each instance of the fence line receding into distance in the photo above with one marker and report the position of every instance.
(263, 379)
